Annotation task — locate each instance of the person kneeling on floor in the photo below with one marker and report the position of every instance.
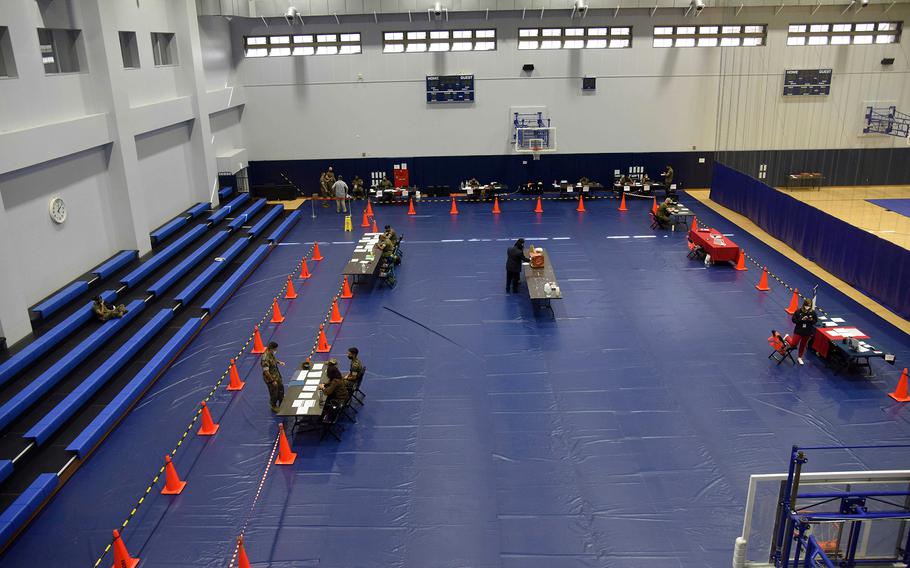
(105, 312)
(805, 319)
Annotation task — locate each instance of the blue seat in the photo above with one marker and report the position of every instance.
(31, 352)
(92, 434)
(221, 295)
(57, 417)
(61, 299)
(21, 510)
(187, 264)
(207, 275)
(6, 468)
(226, 209)
(168, 229)
(266, 220)
(198, 209)
(115, 263)
(162, 256)
(285, 226)
(225, 192)
(31, 393)
(241, 219)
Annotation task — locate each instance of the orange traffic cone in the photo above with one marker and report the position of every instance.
(208, 425)
(346, 290)
(369, 208)
(900, 393)
(622, 203)
(285, 455)
(258, 347)
(794, 302)
(581, 204)
(366, 220)
(375, 228)
(122, 558)
(317, 256)
(304, 273)
(694, 224)
(741, 261)
(336, 315)
(539, 208)
(654, 207)
(323, 344)
(276, 312)
(236, 384)
(173, 485)
(454, 209)
(496, 210)
(763, 282)
(291, 293)
(242, 560)
(411, 207)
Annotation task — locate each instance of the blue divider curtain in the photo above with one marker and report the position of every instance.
(879, 268)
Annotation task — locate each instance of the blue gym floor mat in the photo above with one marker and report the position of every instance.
(621, 433)
(899, 206)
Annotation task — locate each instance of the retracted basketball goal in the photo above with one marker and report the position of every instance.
(535, 140)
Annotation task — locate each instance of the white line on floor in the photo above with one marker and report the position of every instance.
(288, 244)
(618, 237)
(644, 236)
(452, 241)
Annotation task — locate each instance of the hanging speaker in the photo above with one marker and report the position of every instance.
(588, 83)
(888, 61)
(527, 67)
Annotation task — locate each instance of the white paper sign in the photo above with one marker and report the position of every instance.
(470, 191)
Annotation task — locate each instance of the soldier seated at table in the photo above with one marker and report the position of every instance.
(384, 183)
(357, 187)
(625, 180)
(392, 235)
(472, 183)
(387, 249)
(645, 179)
(584, 181)
(104, 312)
(356, 371)
(334, 389)
(663, 214)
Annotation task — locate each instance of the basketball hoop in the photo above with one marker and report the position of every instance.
(535, 151)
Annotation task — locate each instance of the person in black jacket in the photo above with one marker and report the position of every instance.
(513, 265)
(805, 319)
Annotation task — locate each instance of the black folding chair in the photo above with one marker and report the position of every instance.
(357, 382)
(654, 223)
(330, 425)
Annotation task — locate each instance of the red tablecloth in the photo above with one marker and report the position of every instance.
(720, 250)
(825, 335)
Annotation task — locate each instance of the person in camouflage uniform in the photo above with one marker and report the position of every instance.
(326, 181)
(272, 376)
(356, 369)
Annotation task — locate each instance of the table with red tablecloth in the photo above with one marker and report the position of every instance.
(720, 248)
(824, 336)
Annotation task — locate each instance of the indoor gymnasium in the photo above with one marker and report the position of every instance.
(454, 284)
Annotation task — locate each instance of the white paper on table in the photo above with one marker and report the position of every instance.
(585, 188)
(317, 366)
(570, 189)
(837, 320)
(308, 388)
(298, 403)
(417, 194)
(404, 193)
(470, 191)
(647, 188)
(312, 382)
(847, 332)
(314, 374)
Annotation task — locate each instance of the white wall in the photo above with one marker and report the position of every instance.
(647, 99)
(46, 250)
(165, 169)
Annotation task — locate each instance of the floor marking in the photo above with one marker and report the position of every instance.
(342, 242)
(727, 234)
(288, 244)
(561, 238)
(644, 236)
(618, 237)
(452, 241)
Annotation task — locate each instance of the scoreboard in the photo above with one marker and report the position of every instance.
(811, 82)
(450, 89)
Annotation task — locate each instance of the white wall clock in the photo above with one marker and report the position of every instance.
(57, 209)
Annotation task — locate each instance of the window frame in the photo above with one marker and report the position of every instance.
(302, 44)
(440, 41)
(7, 59)
(553, 38)
(661, 38)
(164, 54)
(75, 51)
(807, 37)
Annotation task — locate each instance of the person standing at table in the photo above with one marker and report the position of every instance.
(340, 191)
(668, 176)
(272, 376)
(805, 319)
(514, 259)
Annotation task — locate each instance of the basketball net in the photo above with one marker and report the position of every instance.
(535, 151)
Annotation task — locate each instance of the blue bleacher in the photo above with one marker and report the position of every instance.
(273, 214)
(31, 393)
(285, 226)
(187, 294)
(95, 431)
(31, 352)
(221, 295)
(162, 256)
(198, 209)
(6, 468)
(225, 192)
(242, 218)
(188, 263)
(57, 417)
(22, 509)
(168, 229)
(61, 299)
(115, 263)
(225, 210)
